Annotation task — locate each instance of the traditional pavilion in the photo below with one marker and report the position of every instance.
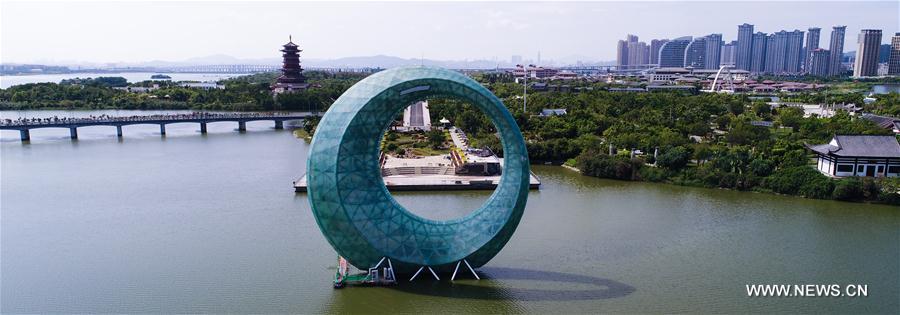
(870, 156)
(291, 78)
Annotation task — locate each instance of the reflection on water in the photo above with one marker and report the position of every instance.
(210, 224)
(491, 286)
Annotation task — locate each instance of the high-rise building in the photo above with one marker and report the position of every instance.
(631, 53)
(645, 60)
(713, 51)
(775, 52)
(817, 64)
(671, 54)
(783, 52)
(655, 45)
(637, 54)
(622, 55)
(516, 59)
(866, 64)
(758, 53)
(894, 60)
(727, 56)
(836, 51)
(695, 54)
(884, 53)
(793, 59)
(812, 43)
(744, 46)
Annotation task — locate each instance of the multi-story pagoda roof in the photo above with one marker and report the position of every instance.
(291, 72)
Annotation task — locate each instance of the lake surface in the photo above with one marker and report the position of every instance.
(9, 80)
(191, 223)
(886, 88)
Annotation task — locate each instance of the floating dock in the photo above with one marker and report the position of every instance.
(430, 173)
(435, 182)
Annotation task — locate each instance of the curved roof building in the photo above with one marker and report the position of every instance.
(671, 54)
(695, 53)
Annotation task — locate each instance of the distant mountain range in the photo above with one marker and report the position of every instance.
(378, 61)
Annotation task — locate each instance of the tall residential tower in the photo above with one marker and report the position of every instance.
(817, 63)
(866, 64)
(713, 51)
(744, 46)
(812, 43)
(727, 57)
(836, 51)
(894, 60)
(758, 53)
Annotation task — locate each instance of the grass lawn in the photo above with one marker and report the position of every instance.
(414, 143)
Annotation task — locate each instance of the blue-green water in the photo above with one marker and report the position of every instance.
(190, 223)
(886, 88)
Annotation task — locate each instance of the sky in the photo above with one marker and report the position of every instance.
(105, 32)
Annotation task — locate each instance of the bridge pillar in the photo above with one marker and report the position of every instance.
(162, 129)
(242, 126)
(279, 124)
(119, 131)
(25, 135)
(203, 127)
(73, 133)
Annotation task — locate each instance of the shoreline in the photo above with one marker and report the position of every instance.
(575, 169)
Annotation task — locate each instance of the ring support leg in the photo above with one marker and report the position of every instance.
(472, 270)
(433, 273)
(453, 277)
(416, 274)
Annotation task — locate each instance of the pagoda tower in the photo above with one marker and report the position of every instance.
(291, 78)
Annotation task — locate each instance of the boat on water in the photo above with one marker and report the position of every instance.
(160, 77)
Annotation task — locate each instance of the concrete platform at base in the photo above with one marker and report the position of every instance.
(435, 182)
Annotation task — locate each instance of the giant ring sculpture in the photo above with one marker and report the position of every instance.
(353, 207)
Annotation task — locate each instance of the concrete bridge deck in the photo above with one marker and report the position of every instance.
(26, 124)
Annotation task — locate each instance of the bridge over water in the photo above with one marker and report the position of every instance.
(24, 125)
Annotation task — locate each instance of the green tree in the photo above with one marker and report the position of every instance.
(675, 158)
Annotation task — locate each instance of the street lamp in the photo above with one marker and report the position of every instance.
(525, 86)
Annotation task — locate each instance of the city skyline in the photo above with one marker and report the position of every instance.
(140, 32)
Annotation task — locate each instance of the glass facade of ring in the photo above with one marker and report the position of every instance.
(354, 209)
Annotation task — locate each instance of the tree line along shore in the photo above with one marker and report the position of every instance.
(705, 139)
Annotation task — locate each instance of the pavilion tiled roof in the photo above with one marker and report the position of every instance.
(860, 146)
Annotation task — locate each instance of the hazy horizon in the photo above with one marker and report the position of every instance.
(134, 32)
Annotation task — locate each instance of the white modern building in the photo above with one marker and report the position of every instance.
(416, 117)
